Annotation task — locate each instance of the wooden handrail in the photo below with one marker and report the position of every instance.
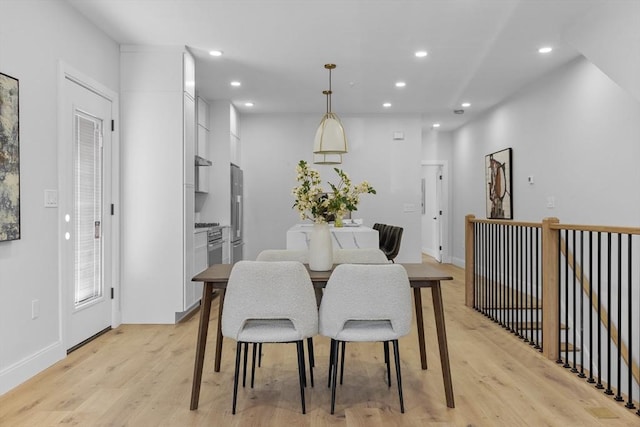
(598, 228)
(469, 264)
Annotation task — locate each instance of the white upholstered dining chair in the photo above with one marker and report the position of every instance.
(366, 303)
(269, 302)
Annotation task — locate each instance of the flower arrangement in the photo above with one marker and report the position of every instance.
(312, 202)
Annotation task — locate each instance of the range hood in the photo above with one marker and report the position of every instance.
(201, 161)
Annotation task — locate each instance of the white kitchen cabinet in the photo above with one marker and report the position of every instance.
(158, 173)
(200, 263)
(202, 146)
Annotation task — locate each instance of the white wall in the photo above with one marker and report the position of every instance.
(272, 145)
(34, 37)
(576, 132)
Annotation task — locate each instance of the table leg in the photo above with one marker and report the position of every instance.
(438, 312)
(203, 328)
(417, 298)
(216, 367)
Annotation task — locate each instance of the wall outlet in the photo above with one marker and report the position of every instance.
(551, 202)
(50, 198)
(35, 309)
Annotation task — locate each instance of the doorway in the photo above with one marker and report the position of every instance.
(433, 210)
(86, 172)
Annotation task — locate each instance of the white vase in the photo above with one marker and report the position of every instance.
(320, 248)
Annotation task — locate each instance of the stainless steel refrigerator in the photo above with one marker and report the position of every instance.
(237, 239)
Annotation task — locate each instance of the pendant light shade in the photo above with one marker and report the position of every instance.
(330, 137)
(330, 141)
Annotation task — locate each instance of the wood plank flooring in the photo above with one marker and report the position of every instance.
(140, 375)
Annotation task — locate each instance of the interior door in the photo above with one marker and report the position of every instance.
(85, 195)
(432, 211)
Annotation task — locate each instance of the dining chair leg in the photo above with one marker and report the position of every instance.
(331, 362)
(312, 357)
(253, 363)
(312, 361)
(244, 368)
(396, 355)
(344, 345)
(304, 366)
(386, 361)
(259, 355)
(301, 372)
(235, 377)
(334, 376)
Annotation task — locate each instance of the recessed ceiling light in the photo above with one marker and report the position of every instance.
(386, 105)
(215, 52)
(421, 53)
(436, 125)
(248, 104)
(236, 83)
(400, 84)
(545, 49)
(466, 104)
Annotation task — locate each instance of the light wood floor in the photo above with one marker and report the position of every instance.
(140, 375)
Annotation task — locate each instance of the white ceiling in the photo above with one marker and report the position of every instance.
(480, 51)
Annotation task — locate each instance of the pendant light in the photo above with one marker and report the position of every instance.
(330, 141)
(327, 159)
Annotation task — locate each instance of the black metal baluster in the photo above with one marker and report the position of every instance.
(527, 295)
(630, 404)
(476, 262)
(608, 390)
(599, 384)
(510, 312)
(573, 281)
(591, 380)
(582, 349)
(529, 330)
(486, 271)
(500, 274)
(519, 285)
(539, 320)
(531, 292)
(618, 397)
(566, 299)
(493, 272)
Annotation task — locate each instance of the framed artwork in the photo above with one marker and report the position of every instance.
(9, 159)
(497, 167)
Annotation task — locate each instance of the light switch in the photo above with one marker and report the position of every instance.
(50, 198)
(551, 202)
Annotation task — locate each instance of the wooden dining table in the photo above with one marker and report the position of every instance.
(420, 276)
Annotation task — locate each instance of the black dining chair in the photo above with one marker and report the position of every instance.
(391, 245)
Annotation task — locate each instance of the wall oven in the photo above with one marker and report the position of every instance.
(214, 245)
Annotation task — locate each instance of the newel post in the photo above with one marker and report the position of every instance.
(550, 289)
(469, 264)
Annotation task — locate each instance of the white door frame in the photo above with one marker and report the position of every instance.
(446, 201)
(66, 72)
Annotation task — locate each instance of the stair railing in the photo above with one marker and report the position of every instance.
(567, 290)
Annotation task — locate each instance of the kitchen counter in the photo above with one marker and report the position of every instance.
(342, 237)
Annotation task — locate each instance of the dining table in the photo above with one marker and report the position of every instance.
(420, 276)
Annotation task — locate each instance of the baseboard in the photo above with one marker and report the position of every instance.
(14, 375)
(459, 262)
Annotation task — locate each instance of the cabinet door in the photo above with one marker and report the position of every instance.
(188, 247)
(203, 113)
(189, 139)
(189, 74)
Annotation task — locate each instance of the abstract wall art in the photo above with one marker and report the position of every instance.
(9, 159)
(498, 185)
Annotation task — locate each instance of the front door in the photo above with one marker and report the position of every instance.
(85, 196)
